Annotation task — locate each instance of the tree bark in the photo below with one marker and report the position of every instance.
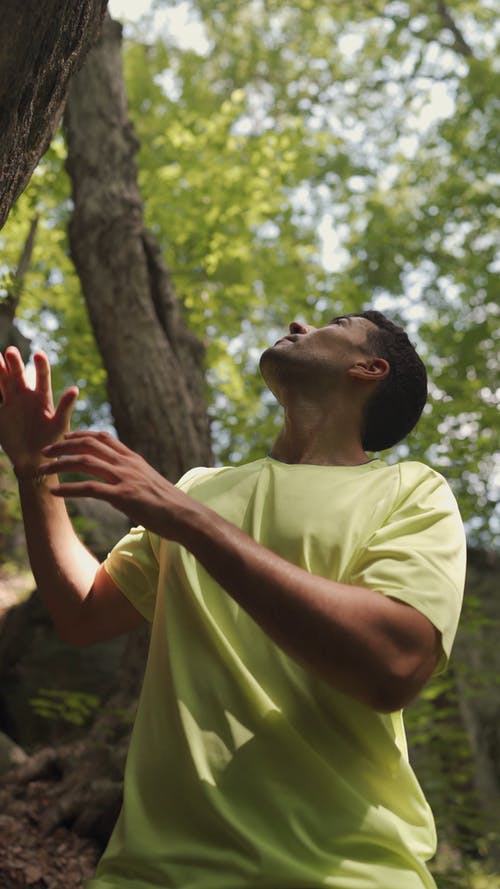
(153, 362)
(41, 44)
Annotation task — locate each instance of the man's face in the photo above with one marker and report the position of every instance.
(322, 355)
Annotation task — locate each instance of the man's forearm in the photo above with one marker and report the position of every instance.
(344, 633)
(63, 568)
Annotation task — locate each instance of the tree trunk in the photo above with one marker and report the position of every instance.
(155, 387)
(41, 44)
(153, 363)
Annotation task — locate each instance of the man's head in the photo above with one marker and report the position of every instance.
(363, 356)
(395, 406)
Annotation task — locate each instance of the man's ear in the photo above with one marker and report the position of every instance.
(373, 370)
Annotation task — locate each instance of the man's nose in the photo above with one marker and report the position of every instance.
(297, 327)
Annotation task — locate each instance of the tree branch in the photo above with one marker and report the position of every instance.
(449, 22)
(12, 299)
(9, 333)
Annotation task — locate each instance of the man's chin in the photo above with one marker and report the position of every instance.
(266, 363)
(268, 356)
(274, 369)
(279, 346)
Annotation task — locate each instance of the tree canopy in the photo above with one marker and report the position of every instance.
(306, 159)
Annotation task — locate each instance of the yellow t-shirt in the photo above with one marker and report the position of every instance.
(245, 770)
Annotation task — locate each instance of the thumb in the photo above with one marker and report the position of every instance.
(64, 410)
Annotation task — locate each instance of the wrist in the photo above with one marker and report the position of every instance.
(194, 522)
(30, 471)
(29, 475)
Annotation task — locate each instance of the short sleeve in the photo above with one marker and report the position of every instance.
(187, 480)
(133, 565)
(418, 555)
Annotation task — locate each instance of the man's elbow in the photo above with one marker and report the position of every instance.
(77, 627)
(74, 634)
(403, 683)
(390, 700)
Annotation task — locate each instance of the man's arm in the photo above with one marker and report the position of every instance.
(365, 644)
(85, 605)
(375, 648)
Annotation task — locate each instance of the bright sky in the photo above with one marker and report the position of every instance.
(178, 22)
(130, 9)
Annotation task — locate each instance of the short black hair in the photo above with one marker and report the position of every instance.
(398, 401)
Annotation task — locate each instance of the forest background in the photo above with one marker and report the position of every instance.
(294, 161)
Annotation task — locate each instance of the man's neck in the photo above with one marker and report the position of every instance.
(312, 441)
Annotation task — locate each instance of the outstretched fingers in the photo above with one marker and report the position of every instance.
(12, 371)
(96, 490)
(62, 415)
(98, 444)
(43, 381)
(81, 463)
(103, 438)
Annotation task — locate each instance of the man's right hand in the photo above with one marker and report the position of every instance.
(28, 419)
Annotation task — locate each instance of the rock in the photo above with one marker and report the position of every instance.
(34, 662)
(10, 754)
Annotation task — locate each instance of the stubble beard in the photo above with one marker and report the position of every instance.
(282, 371)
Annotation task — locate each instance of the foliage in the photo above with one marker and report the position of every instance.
(10, 516)
(443, 759)
(407, 197)
(294, 165)
(52, 309)
(473, 876)
(74, 707)
(453, 727)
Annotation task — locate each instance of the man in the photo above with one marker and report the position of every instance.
(297, 604)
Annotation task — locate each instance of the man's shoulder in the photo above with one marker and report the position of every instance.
(410, 473)
(424, 486)
(204, 473)
(196, 474)
(414, 472)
